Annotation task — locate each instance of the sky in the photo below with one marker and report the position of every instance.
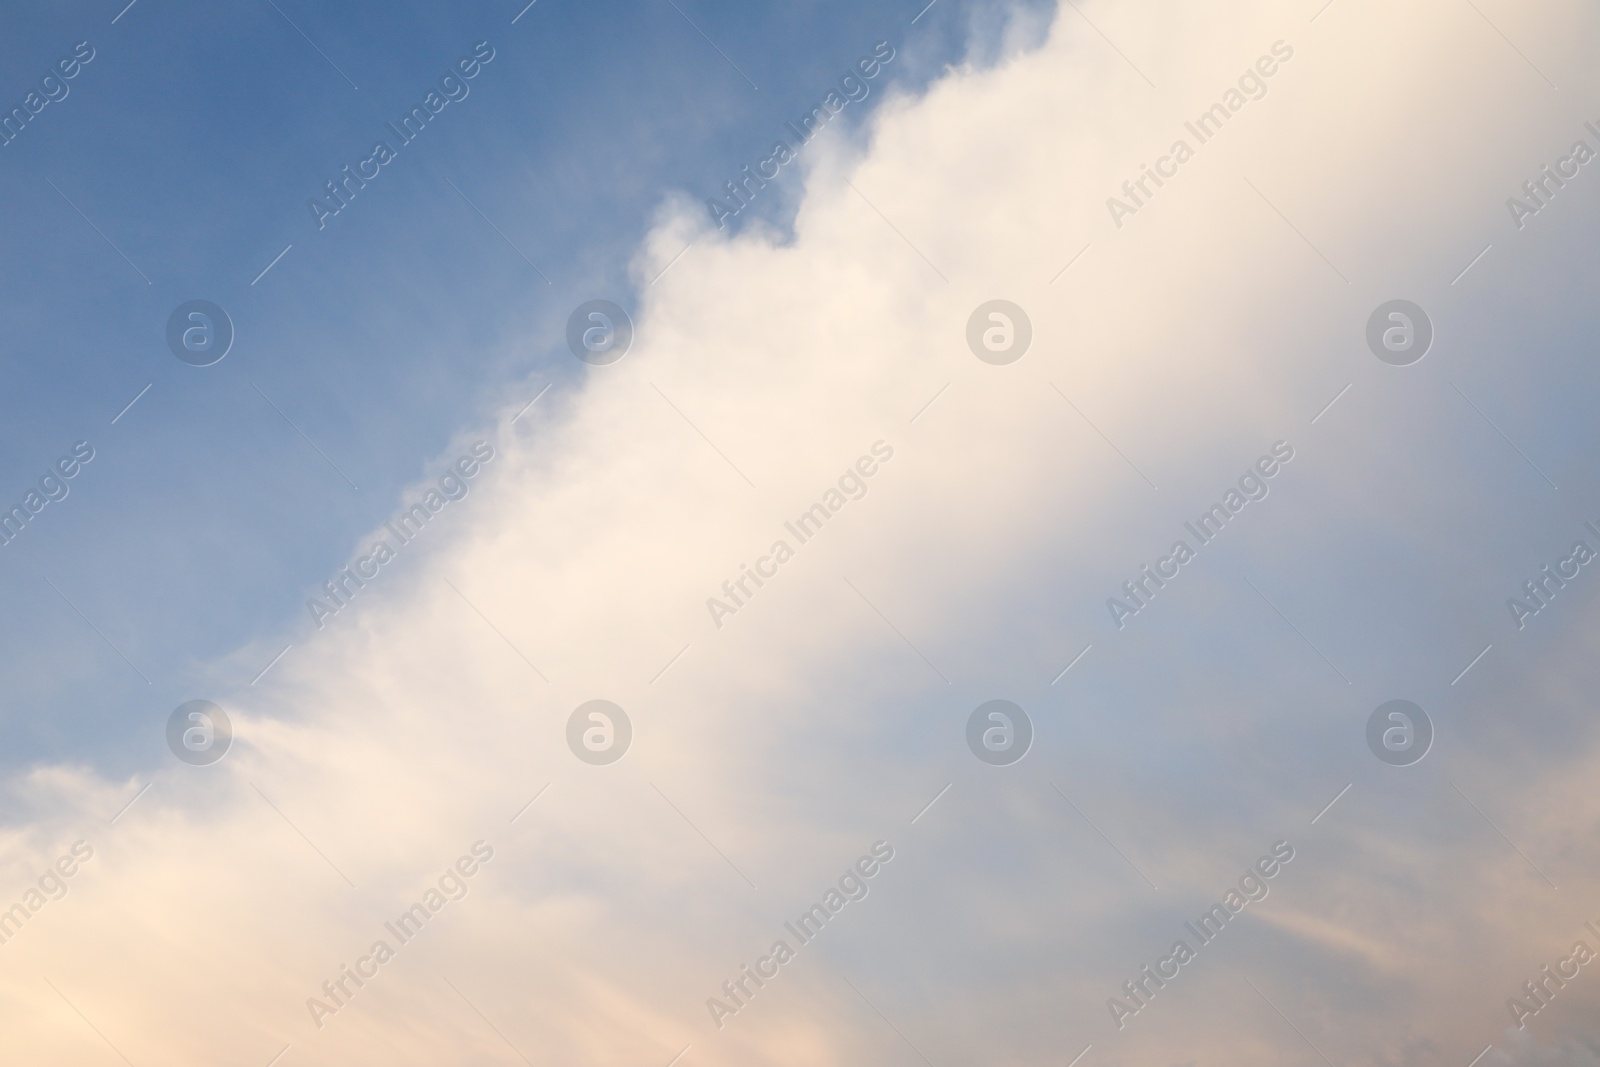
(954, 385)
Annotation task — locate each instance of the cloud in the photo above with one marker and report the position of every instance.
(1007, 504)
(1522, 1050)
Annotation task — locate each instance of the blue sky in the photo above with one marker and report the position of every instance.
(193, 141)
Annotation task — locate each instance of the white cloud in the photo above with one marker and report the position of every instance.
(810, 725)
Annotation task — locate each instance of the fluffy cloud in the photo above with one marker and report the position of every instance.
(772, 750)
